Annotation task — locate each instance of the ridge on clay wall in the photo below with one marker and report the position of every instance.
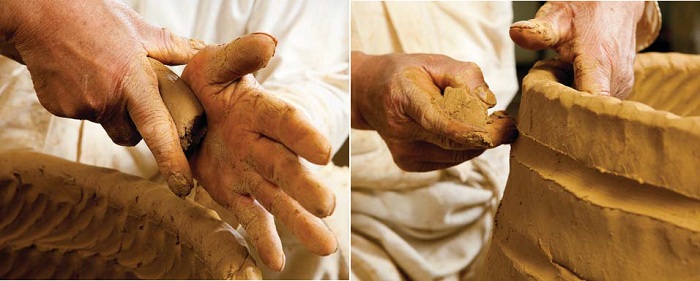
(603, 189)
(60, 219)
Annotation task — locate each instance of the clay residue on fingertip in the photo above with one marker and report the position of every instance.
(179, 185)
(523, 24)
(479, 140)
(533, 34)
(249, 53)
(503, 128)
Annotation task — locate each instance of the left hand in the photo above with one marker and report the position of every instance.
(599, 38)
(249, 158)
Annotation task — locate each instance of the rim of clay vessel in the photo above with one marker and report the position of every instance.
(139, 228)
(625, 138)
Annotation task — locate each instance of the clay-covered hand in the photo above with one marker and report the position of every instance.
(249, 159)
(400, 96)
(599, 38)
(88, 60)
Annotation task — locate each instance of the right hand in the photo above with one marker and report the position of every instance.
(599, 38)
(88, 60)
(393, 95)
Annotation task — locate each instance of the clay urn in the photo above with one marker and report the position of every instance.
(599, 188)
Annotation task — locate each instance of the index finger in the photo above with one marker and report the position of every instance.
(156, 126)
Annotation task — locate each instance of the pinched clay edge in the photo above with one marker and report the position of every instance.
(624, 138)
(53, 205)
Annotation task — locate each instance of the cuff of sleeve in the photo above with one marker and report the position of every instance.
(649, 25)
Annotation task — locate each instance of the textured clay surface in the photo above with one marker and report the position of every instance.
(603, 189)
(460, 104)
(60, 219)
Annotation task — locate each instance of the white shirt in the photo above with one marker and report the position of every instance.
(428, 225)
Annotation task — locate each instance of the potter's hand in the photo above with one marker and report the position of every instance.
(88, 60)
(395, 95)
(249, 158)
(598, 37)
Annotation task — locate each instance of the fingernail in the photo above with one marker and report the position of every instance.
(268, 35)
(523, 24)
(486, 95)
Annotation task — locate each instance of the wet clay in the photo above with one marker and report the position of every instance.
(462, 105)
(603, 189)
(185, 108)
(467, 107)
(64, 220)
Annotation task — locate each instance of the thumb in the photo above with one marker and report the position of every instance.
(226, 63)
(168, 48)
(548, 29)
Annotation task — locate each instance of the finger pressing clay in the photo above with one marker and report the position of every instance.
(187, 112)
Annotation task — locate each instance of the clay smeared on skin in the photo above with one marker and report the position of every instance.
(185, 108)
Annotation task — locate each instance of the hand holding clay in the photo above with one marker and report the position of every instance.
(249, 159)
(88, 60)
(400, 96)
(598, 37)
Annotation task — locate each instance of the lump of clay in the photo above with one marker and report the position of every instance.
(460, 104)
(603, 189)
(64, 220)
(466, 107)
(184, 107)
